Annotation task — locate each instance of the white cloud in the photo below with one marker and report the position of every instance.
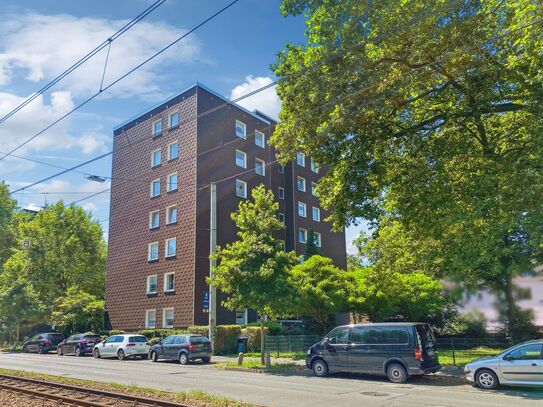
(266, 101)
(38, 47)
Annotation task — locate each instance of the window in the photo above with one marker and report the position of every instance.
(339, 336)
(155, 188)
(300, 159)
(528, 352)
(301, 184)
(152, 253)
(281, 168)
(302, 235)
(241, 188)
(396, 336)
(282, 244)
(241, 129)
(314, 166)
(173, 151)
(167, 318)
(173, 120)
(317, 239)
(157, 127)
(154, 219)
(151, 284)
(241, 316)
(150, 319)
(366, 335)
(282, 217)
(169, 340)
(171, 246)
(260, 139)
(241, 159)
(281, 193)
(302, 209)
(260, 166)
(169, 282)
(171, 214)
(172, 182)
(316, 214)
(314, 188)
(155, 158)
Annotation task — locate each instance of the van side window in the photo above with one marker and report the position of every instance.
(396, 336)
(339, 336)
(366, 335)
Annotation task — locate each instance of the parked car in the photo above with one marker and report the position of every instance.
(122, 347)
(397, 350)
(520, 365)
(43, 343)
(78, 344)
(183, 348)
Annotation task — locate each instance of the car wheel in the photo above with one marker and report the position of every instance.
(96, 353)
(144, 356)
(59, 351)
(154, 357)
(78, 352)
(206, 360)
(486, 379)
(183, 358)
(320, 368)
(41, 349)
(396, 373)
(121, 355)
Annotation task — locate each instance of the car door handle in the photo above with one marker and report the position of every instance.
(534, 364)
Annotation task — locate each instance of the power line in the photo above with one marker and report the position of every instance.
(106, 43)
(121, 78)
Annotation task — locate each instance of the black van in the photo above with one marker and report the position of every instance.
(397, 350)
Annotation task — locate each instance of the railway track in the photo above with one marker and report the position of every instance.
(66, 394)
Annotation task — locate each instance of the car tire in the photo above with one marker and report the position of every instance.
(154, 356)
(41, 350)
(59, 351)
(78, 352)
(206, 360)
(320, 368)
(96, 354)
(486, 379)
(396, 373)
(121, 355)
(183, 358)
(146, 356)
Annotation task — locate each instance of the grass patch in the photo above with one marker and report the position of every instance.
(256, 365)
(273, 355)
(196, 398)
(464, 356)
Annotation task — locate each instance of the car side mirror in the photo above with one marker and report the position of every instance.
(160, 342)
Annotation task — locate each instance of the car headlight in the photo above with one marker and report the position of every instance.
(309, 351)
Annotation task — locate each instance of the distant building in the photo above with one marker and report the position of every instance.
(160, 211)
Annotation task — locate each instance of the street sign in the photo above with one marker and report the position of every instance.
(26, 244)
(205, 300)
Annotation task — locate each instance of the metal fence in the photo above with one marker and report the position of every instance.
(289, 343)
(459, 351)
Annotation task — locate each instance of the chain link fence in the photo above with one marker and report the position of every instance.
(288, 344)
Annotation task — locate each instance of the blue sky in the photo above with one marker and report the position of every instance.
(39, 39)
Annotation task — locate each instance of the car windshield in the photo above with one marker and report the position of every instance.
(56, 336)
(91, 337)
(137, 339)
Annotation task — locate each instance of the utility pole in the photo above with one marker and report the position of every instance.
(212, 262)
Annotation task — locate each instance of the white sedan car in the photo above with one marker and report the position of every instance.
(122, 347)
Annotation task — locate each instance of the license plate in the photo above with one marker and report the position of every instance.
(142, 351)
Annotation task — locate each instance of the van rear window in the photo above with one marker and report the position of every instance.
(426, 336)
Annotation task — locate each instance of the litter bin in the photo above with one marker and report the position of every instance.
(242, 344)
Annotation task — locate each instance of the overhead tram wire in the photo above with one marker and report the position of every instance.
(84, 59)
(79, 106)
(194, 118)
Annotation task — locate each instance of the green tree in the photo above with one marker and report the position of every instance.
(78, 311)
(430, 112)
(7, 227)
(253, 271)
(321, 289)
(311, 247)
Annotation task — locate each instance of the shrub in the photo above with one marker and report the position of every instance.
(154, 341)
(116, 332)
(226, 336)
(274, 327)
(253, 337)
(199, 330)
(160, 333)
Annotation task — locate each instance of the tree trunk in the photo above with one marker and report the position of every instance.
(262, 339)
(17, 331)
(510, 304)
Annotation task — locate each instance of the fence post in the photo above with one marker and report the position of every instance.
(453, 352)
(289, 343)
(277, 341)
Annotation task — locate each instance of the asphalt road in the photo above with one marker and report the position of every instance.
(272, 389)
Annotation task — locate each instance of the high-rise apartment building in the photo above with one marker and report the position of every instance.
(163, 163)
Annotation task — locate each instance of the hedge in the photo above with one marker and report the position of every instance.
(160, 333)
(226, 337)
(253, 337)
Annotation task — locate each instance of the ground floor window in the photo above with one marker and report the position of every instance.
(167, 318)
(150, 319)
(241, 316)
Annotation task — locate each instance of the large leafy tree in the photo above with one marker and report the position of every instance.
(253, 271)
(78, 311)
(7, 223)
(429, 112)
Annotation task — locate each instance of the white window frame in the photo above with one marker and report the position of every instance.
(244, 154)
(164, 317)
(316, 210)
(169, 150)
(298, 179)
(151, 219)
(314, 188)
(318, 239)
(282, 217)
(166, 289)
(244, 319)
(147, 324)
(280, 168)
(153, 164)
(314, 166)
(149, 284)
(170, 120)
(300, 159)
(259, 133)
(283, 244)
(244, 189)
(166, 255)
(304, 206)
(168, 183)
(149, 258)
(304, 231)
(281, 193)
(152, 188)
(168, 210)
(262, 165)
(244, 136)
(155, 133)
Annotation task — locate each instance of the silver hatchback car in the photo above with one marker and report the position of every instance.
(122, 347)
(520, 365)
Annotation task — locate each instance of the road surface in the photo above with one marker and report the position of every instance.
(274, 389)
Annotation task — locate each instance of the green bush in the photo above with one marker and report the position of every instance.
(274, 327)
(154, 341)
(198, 329)
(160, 333)
(226, 337)
(253, 337)
(116, 332)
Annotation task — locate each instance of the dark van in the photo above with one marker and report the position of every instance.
(396, 350)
